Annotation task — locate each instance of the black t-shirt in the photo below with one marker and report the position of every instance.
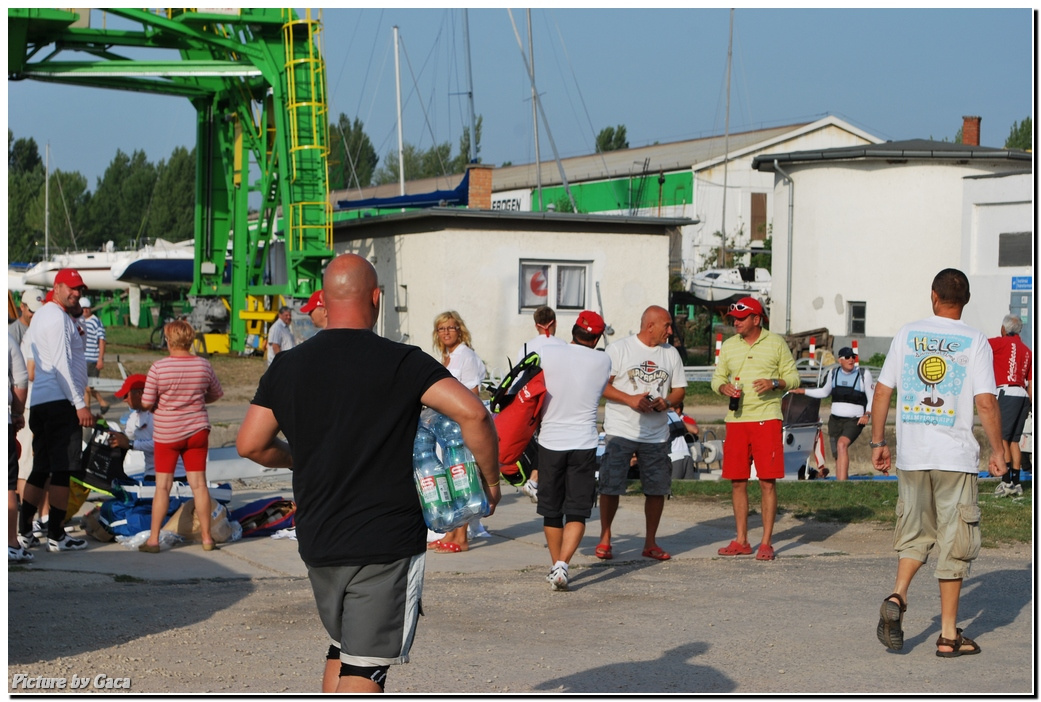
(348, 402)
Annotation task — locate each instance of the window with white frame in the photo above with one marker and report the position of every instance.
(562, 285)
(857, 318)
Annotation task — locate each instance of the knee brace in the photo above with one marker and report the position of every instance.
(575, 518)
(377, 674)
(553, 522)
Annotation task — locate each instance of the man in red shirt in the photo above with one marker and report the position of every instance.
(1012, 375)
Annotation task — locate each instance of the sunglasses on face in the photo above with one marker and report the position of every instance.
(445, 330)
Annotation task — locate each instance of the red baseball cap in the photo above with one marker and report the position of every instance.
(744, 307)
(137, 380)
(70, 277)
(313, 302)
(591, 322)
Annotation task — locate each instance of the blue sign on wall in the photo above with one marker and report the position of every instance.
(1022, 282)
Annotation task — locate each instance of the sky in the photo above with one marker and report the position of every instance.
(896, 74)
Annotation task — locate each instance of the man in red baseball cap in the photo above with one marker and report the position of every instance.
(59, 409)
(575, 376)
(754, 369)
(315, 309)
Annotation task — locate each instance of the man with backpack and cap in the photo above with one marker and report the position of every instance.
(59, 410)
(315, 309)
(754, 369)
(852, 390)
(575, 376)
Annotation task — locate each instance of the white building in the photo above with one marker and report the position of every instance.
(494, 268)
(860, 232)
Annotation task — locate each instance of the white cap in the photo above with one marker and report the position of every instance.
(84, 302)
(33, 298)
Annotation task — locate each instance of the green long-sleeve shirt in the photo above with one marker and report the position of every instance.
(769, 357)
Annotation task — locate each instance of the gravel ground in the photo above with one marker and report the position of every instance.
(705, 625)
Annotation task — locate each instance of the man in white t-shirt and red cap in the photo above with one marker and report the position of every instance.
(315, 309)
(575, 376)
(59, 410)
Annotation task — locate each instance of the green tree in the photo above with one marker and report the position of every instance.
(611, 139)
(171, 212)
(419, 163)
(352, 157)
(25, 184)
(462, 159)
(1021, 136)
(119, 207)
(763, 259)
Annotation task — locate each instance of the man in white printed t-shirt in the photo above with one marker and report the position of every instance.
(575, 376)
(646, 379)
(938, 367)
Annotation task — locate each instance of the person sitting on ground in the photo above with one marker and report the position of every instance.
(683, 431)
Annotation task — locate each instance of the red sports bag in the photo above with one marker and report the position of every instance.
(517, 409)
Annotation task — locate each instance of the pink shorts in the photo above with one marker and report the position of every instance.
(192, 451)
(761, 441)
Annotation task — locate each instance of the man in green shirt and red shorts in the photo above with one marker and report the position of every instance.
(755, 367)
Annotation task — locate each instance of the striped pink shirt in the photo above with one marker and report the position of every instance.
(180, 387)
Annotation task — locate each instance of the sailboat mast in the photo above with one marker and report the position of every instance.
(726, 145)
(470, 88)
(47, 203)
(401, 142)
(535, 113)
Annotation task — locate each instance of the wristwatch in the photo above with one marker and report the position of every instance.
(880, 444)
(130, 444)
(776, 382)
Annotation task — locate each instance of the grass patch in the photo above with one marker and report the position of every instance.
(1004, 519)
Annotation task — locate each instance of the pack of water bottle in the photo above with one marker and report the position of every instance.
(449, 486)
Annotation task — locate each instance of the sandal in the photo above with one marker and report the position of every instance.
(656, 553)
(603, 552)
(449, 547)
(148, 548)
(765, 553)
(735, 549)
(432, 545)
(891, 623)
(958, 643)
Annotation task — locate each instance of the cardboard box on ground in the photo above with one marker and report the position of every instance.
(185, 522)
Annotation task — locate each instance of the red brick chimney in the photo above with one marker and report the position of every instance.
(970, 130)
(480, 195)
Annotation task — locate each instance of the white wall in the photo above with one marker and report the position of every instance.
(993, 206)
(475, 272)
(869, 231)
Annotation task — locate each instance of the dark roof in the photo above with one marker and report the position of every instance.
(918, 149)
(437, 218)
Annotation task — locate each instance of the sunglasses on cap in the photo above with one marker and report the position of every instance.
(742, 307)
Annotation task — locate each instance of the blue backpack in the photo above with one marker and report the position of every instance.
(129, 517)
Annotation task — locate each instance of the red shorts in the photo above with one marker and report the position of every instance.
(193, 452)
(748, 441)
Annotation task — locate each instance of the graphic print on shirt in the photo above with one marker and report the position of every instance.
(648, 378)
(934, 375)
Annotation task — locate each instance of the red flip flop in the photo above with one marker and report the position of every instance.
(735, 549)
(656, 553)
(449, 547)
(603, 552)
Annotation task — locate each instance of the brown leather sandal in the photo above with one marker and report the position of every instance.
(962, 645)
(890, 629)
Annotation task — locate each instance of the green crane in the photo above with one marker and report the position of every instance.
(256, 78)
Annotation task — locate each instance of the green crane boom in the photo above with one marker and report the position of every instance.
(257, 80)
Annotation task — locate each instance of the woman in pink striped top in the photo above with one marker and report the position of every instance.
(177, 391)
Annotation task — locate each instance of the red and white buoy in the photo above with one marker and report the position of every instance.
(813, 350)
(719, 347)
(856, 355)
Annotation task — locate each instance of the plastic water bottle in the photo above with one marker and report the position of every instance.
(431, 483)
(464, 483)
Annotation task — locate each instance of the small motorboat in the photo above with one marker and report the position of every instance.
(718, 287)
(163, 264)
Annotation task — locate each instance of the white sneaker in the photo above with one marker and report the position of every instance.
(1015, 490)
(39, 528)
(558, 578)
(1003, 489)
(28, 541)
(531, 489)
(66, 543)
(18, 555)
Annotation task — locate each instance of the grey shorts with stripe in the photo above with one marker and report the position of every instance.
(370, 611)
